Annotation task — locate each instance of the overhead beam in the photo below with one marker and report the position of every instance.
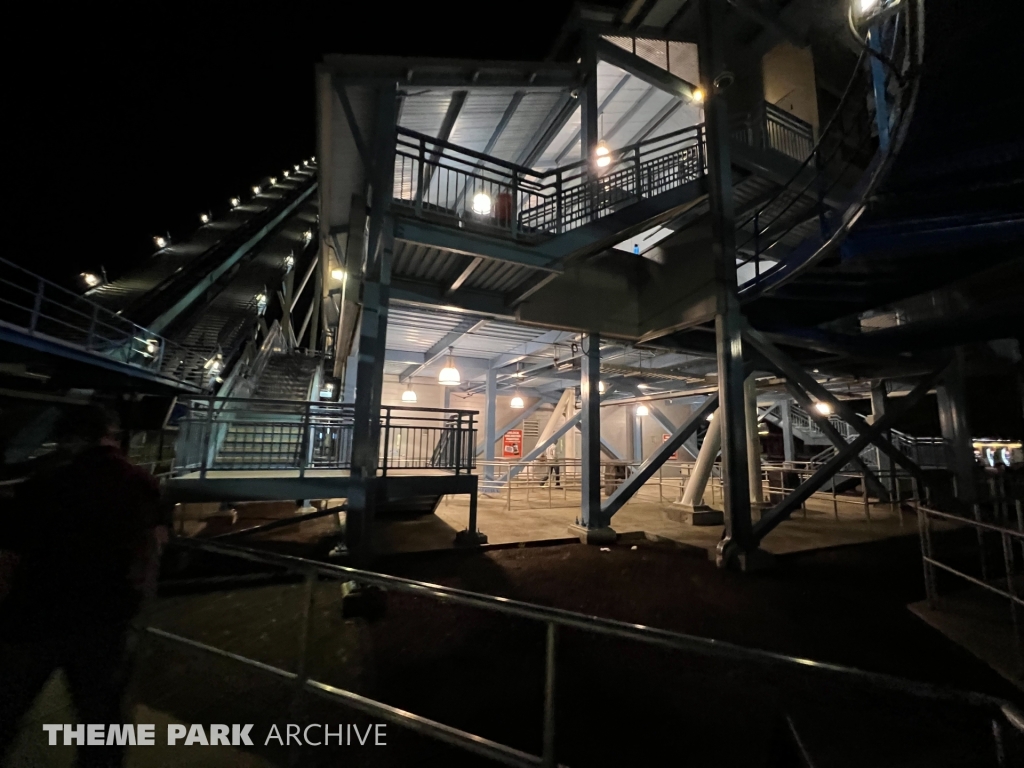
(652, 125)
(548, 130)
(628, 114)
(452, 73)
(465, 274)
(455, 104)
(467, 326)
(643, 69)
(575, 138)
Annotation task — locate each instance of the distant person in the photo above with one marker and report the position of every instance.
(86, 531)
(554, 469)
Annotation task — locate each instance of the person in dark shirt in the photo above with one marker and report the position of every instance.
(86, 531)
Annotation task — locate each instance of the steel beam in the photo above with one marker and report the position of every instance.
(788, 446)
(438, 349)
(737, 537)
(781, 511)
(490, 410)
(951, 397)
(753, 440)
(693, 493)
(585, 121)
(455, 104)
(646, 471)
(875, 486)
(644, 70)
(792, 371)
(879, 401)
(591, 514)
(590, 110)
(519, 419)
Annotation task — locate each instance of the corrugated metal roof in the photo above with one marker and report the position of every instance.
(478, 119)
(420, 262)
(498, 276)
(416, 330)
(424, 112)
(531, 113)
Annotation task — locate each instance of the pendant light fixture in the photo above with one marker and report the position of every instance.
(408, 396)
(642, 410)
(517, 399)
(449, 375)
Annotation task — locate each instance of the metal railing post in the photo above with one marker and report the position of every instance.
(512, 214)
(301, 666)
(458, 442)
(867, 503)
(92, 326)
(420, 192)
(37, 305)
(387, 440)
(305, 443)
(636, 172)
(1011, 588)
(559, 212)
(976, 508)
(548, 754)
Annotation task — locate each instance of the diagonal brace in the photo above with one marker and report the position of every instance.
(781, 511)
(836, 439)
(791, 370)
(626, 491)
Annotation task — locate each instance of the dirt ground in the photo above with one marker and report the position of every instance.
(618, 704)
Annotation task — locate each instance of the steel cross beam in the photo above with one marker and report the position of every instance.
(835, 438)
(791, 370)
(626, 491)
(780, 511)
(575, 138)
(444, 133)
(464, 328)
(517, 419)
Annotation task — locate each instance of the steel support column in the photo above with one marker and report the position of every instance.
(878, 404)
(636, 442)
(753, 441)
(738, 539)
(788, 446)
(693, 494)
(956, 434)
(376, 291)
(490, 417)
(589, 107)
(591, 515)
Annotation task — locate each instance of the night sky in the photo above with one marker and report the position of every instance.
(131, 126)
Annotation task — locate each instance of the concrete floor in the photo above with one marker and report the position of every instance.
(531, 520)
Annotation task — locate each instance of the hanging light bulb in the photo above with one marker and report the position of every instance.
(449, 375)
(602, 155)
(160, 242)
(600, 387)
(408, 396)
(823, 408)
(204, 218)
(273, 180)
(235, 202)
(90, 279)
(482, 203)
(642, 410)
(697, 96)
(517, 401)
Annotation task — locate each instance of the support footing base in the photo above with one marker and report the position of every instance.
(605, 535)
(699, 515)
(470, 538)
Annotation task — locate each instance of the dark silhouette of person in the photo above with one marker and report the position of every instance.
(86, 531)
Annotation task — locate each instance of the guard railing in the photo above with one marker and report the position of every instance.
(37, 308)
(998, 715)
(249, 434)
(447, 181)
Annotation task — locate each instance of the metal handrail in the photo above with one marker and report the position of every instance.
(999, 710)
(438, 178)
(252, 434)
(815, 187)
(55, 313)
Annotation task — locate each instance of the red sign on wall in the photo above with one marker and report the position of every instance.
(664, 438)
(512, 444)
